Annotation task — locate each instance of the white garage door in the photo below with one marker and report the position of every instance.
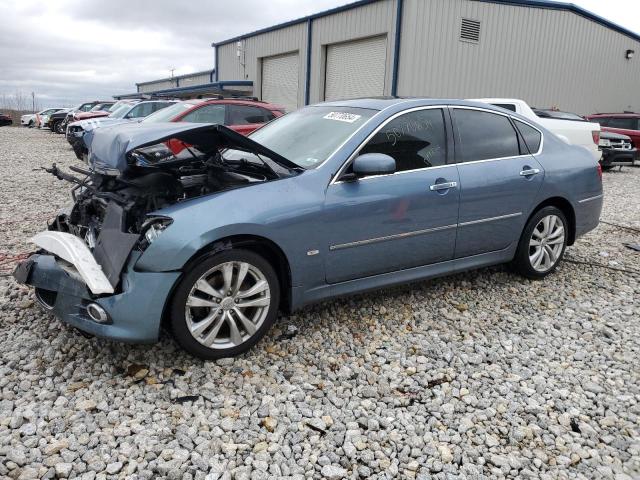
(356, 69)
(280, 80)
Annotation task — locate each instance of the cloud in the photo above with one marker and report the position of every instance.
(67, 51)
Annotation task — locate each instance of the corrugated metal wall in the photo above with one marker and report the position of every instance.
(546, 57)
(285, 40)
(155, 86)
(199, 79)
(367, 21)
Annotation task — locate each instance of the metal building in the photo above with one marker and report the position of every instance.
(198, 84)
(547, 53)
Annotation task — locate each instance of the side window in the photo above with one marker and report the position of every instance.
(485, 135)
(532, 137)
(623, 122)
(245, 115)
(137, 111)
(415, 140)
(206, 114)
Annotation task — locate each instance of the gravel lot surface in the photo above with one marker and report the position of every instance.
(478, 375)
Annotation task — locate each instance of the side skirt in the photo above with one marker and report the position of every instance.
(302, 297)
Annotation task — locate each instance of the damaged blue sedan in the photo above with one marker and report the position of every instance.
(212, 234)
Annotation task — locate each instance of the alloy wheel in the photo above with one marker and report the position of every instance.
(546, 243)
(227, 305)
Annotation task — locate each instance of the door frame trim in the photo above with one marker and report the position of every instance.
(490, 219)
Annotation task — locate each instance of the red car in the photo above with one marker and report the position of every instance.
(243, 116)
(623, 123)
(102, 109)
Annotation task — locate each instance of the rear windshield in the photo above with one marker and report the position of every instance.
(169, 113)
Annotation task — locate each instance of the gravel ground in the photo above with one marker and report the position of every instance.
(478, 375)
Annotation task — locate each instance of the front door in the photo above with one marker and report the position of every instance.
(386, 223)
(499, 179)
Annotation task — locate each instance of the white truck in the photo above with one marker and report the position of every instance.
(574, 132)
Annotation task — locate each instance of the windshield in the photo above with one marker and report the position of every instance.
(310, 135)
(169, 113)
(120, 111)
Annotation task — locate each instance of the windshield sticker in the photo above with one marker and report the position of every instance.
(342, 117)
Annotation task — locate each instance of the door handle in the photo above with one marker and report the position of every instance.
(443, 186)
(529, 172)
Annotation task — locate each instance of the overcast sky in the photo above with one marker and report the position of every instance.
(67, 51)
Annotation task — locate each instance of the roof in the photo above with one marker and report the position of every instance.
(215, 86)
(621, 115)
(186, 75)
(546, 4)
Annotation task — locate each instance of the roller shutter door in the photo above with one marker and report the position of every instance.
(356, 69)
(280, 80)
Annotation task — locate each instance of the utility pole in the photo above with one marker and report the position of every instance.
(33, 101)
(172, 69)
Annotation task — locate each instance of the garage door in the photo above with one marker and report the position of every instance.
(356, 69)
(280, 80)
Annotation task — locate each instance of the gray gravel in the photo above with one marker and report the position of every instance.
(479, 375)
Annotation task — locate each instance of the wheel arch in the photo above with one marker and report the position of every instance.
(263, 246)
(566, 208)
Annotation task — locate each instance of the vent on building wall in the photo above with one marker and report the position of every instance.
(470, 30)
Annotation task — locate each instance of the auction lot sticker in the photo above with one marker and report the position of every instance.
(342, 117)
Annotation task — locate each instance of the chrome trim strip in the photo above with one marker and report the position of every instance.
(490, 219)
(389, 237)
(585, 200)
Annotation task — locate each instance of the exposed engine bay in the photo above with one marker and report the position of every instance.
(111, 208)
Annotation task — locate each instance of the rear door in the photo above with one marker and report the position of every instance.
(499, 179)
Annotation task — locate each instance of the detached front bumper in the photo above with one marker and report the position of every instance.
(133, 315)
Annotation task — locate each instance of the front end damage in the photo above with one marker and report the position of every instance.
(85, 271)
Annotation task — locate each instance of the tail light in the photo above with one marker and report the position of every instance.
(600, 171)
(596, 136)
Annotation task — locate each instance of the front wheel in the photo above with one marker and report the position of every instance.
(225, 304)
(542, 244)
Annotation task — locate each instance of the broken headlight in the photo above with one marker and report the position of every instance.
(146, 156)
(152, 229)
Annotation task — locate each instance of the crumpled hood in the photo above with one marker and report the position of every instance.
(89, 127)
(110, 146)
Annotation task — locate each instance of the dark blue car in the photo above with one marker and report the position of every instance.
(214, 233)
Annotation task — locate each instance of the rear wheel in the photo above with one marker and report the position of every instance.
(225, 304)
(542, 244)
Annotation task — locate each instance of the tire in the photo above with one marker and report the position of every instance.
(537, 261)
(30, 124)
(204, 327)
(606, 168)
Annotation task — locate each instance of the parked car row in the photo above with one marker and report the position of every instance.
(5, 120)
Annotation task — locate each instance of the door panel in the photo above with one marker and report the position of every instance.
(499, 180)
(389, 223)
(495, 201)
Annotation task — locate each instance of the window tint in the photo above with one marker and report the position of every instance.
(485, 135)
(245, 115)
(206, 114)
(506, 106)
(415, 140)
(532, 137)
(621, 122)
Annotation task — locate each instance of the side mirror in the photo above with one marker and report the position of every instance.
(373, 164)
